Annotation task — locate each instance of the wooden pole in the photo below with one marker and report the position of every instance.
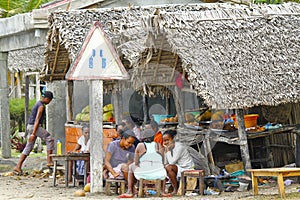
(243, 138)
(69, 97)
(118, 109)
(96, 135)
(145, 108)
(19, 89)
(37, 86)
(26, 102)
(179, 105)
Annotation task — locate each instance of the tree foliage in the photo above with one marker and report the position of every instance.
(17, 111)
(9, 8)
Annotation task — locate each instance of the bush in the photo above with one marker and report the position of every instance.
(17, 111)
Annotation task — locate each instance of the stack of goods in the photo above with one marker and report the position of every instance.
(108, 115)
(169, 119)
(84, 115)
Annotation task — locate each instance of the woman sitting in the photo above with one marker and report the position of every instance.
(119, 155)
(178, 158)
(148, 162)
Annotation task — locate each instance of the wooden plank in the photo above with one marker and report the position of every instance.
(55, 60)
(69, 99)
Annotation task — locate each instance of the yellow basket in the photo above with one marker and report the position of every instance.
(250, 120)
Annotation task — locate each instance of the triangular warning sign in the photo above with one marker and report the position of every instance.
(97, 59)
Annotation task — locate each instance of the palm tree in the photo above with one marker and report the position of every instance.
(9, 8)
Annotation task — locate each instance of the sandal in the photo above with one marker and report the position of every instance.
(166, 195)
(17, 172)
(126, 196)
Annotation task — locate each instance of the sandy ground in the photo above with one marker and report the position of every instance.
(40, 186)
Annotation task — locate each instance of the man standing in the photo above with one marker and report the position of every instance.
(34, 128)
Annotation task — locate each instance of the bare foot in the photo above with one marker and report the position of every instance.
(105, 173)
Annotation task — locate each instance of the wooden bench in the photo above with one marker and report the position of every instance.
(280, 173)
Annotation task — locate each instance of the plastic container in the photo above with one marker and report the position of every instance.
(157, 118)
(243, 187)
(58, 147)
(249, 120)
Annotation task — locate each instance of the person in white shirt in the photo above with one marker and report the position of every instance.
(177, 158)
(83, 144)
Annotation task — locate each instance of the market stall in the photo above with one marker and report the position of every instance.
(233, 56)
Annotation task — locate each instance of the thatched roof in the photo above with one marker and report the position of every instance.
(30, 59)
(235, 56)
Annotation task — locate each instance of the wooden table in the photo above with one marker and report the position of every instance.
(280, 173)
(73, 157)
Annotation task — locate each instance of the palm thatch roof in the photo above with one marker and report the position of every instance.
(235, 56)
(30, 59)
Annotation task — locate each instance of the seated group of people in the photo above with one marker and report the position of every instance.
(155, 156)
(147, 154)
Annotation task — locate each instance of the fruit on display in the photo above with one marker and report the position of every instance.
(108, 115)
(169, 119)
(189, 117)
(217, 119)
(84, 115)
(206, 116)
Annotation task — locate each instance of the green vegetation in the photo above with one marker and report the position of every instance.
(17, 112)
(9, 8)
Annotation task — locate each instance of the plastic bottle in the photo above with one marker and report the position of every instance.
(58, 147)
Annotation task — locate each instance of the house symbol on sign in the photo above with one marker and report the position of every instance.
(91, 59)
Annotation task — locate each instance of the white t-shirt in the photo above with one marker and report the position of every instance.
(180, 157)
(84, 147)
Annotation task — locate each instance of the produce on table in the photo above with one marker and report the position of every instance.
(108, 115)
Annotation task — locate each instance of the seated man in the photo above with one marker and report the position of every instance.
(119, 155)
(177, 157)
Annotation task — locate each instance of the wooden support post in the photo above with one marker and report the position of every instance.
(167, 104)
(69, 97)
(178, 104)
(12, 85)
(208, 153)
(145, 109)
(118, 107)
(96, 135)
(243, 138)
(26, 102)
(37, 86)
(18, 90)
(4, 108)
